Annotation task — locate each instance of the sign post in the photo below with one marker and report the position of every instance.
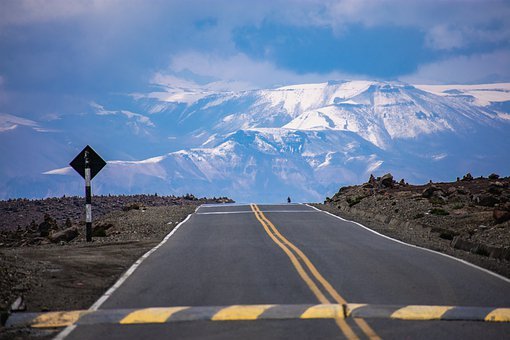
(88, 163)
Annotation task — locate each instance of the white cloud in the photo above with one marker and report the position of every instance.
(238, 72)
(446, 24)
(10, 122)
(139, 118)
(480, 68)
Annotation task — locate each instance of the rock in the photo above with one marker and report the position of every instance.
(493, 176)
(495, 190)
(438, 197)
(467, 177)
(498, 184)
(459, 243)
(428, 192)
(402, 182)
(18, 305)
(485, 200)
(64, 235)
(132, 206)
(500, 215)
(387, 181)
(99, 229)
(47, 225)
(462, 190)
(451, 191)
(372, 180)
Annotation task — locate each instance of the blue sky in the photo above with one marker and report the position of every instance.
(58, 56)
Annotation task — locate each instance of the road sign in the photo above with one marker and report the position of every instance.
(88, 163)
(96, 162)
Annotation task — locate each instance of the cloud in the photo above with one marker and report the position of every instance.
(239, 72)
(139, 118)
(89, 48)
(479, 68)
(19, 12)
(10, 122)
(447, 25)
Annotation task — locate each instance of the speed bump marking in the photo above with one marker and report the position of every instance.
(325, 311)
(499, 315)
(420, 312)
(256, 312)
(151, 315)
(57, 319)
(240, 313)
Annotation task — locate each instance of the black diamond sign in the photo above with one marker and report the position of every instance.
(95, 161)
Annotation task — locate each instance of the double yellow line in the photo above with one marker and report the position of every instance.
(319, 286)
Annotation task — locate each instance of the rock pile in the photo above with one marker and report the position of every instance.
(36, 222)
(47, 231)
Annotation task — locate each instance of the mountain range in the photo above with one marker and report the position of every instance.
(302, 141)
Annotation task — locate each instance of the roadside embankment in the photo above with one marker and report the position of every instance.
(468, 218)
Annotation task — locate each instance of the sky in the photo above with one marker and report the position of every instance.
(58, 56)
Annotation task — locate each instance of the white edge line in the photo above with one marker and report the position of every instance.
(415, 246)
(122, 279)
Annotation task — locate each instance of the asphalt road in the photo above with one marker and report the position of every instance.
(229, 255)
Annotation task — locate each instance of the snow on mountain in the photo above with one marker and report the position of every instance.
(257, 164)
(481, 95)
(300, 140)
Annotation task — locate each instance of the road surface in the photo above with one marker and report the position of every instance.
(294, 254)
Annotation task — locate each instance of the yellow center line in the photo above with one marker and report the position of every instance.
(369, 332)
(344, 327)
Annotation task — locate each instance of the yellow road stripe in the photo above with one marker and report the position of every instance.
(151, 315)
(313, 287)
(420, 312)
(58, 319)
(344, 327)
(307, 261)
(240, 312)
(329, 288)
(323, 312)
(499, 315)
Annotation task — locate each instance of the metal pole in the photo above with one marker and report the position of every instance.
(88, 199)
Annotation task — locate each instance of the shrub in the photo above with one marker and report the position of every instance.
(458, 206)
(354, 200)
(439, 212)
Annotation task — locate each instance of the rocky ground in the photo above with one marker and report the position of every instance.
(468, 218)
(42, 271)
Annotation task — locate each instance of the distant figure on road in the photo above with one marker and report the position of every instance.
(288, 200)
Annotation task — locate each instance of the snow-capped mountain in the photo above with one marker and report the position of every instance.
(303, 140)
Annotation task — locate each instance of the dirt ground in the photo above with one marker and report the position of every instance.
(74, 275)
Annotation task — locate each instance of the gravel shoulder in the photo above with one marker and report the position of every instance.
(73, 275)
